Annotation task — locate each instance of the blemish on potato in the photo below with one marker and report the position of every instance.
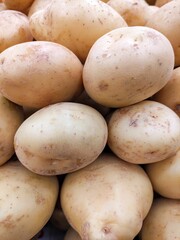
(8, 222)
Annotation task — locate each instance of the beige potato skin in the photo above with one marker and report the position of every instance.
(169, 94)
(162, 221)
(167, 21)
(78, 26)
(145, 132)
(27, 201)
(19, 5)
(133, 11)
(14, 29)
(133, 64)
(38, 5)
(117, 197)
(36, 74)
(11, 118)
(165, 176)
(61, 138)
(71, 234)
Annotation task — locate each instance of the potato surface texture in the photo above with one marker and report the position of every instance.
(36, 74)
(61, 138)
(27, 201)
(145, 132)
(118, 196)
(127, 65)
(76, 25)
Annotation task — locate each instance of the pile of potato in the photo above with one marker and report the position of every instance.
(89, 126)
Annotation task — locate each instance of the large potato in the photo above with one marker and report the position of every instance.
(36, 74)
(14, 29)
(27, 201)
(11, 118)
(167, 21)
(76, 25)
(19, 5)
(107, 200)
(165, 176)
(61, 138)
(127, 65)
(169, 94)
(145, 132)
(162, 222)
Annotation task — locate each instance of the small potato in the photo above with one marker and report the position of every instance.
(107, 200)
(162, 222)
(127, 65)
(61, 138)
(72, 235)
(169, 94)
(27, 201)
(167, 21)
(38, 5)
(133, 11)
(165, 176)
(19, 5)
(14, 29)
(76, 25)
(11, 118)
(36, 74)
(145, 132)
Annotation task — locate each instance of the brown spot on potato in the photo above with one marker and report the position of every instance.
(39, 199)
(8, 222)
(106, 230)
(103, 86)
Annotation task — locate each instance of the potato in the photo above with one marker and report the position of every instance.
(165, 176)
(127, 65)
(118, 196)
(11, 118)
(36, 74)
(72, 235)
(61, 138)
(19, 5)
(169, 94)
(14, 29)
(27, 201)
(162, 222)
(133, 11)
(76, 26)
(145, 132)
(160, 3)
(38, 5)
(167, 21)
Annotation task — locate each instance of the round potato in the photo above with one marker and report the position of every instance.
(14, 29)
(118, 196)
(36, 74)
(165, 176)
(27, 201)
(11, 118)
(77, 26)
(127, 65)
(167, 21)
(61, 138)
(169, 94)
(145, 132)
(19, 5)
(162, 221)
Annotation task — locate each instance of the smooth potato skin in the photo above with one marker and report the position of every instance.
(38, 5)
(165, 176)
(162, 221)
(61, 138)
(145, 132)
(27, 201)
(36, 74)
(131, 66)
(120, 191)
(11, 118)
(14, 29)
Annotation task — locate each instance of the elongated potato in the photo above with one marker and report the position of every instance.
(76, 25)
(118, 196)
(36, 74)
(27, 201)
(11, 118)
(165, 176)
(14, 29)
(145, 132)
(61, 138)
(162, 221)
(127, 65)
